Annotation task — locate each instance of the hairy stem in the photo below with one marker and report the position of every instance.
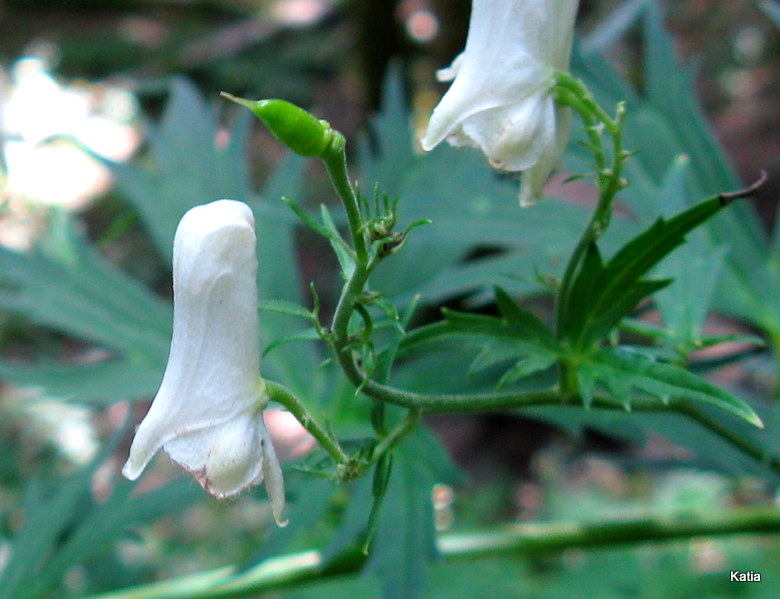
(513, 400)
(573, 93)
(335, 160)
(398, 434)
(285, 397)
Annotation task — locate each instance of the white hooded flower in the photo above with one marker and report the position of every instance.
(501, 98)
(208, 413)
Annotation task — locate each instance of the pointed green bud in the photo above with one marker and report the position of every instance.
(299, 130)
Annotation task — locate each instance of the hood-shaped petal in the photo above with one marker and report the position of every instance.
(207, 413)
(500, 100)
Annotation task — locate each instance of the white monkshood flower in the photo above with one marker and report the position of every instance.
(208, 413)
(501, 98)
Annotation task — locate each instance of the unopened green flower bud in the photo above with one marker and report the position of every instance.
(299, 130)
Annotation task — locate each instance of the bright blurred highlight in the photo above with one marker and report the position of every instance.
(43, 121)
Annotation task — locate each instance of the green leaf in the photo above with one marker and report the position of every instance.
(340, 248)
(309, 497)
(707, 450)
(604, 35)
(664, 123)
(189, 168)
(48, 517)
(519, 336)
(613, 313)
(670, 92)
(353, 520)
(382, 472)
(576, 302)
(480, 328)
(602, 294)
(283, 307)
(99, 384)
(638, 256)
(712, 451)
(395, 154)
(528, 364)
(523, 319)
(475, 329)
(404, 541)
(304, 335)
(279, 276)
(307, 219)
(328, 230)
(695, 268)
(45, 520)
(64, 284)
(387, 356)
(100, 524)
(493, 353)
(620, 371)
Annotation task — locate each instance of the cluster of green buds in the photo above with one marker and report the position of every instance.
(380, 228)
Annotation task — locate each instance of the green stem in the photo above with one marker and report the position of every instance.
(343, 313)
(398, 434)
(439, 403)
(285, 397)
(518, 539)
(567, 97)
(335, 160)
(578, 89)
(573, 93)
(773, 332)
(513, 400)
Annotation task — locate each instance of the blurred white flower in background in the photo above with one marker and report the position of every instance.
(39, 114)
